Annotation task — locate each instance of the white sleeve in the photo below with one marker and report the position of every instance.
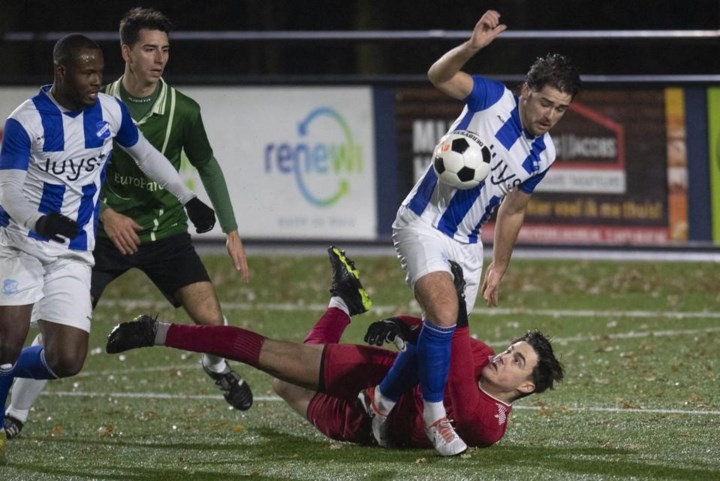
(158, 168)
(14, 201)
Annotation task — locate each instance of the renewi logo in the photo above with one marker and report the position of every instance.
(323, 159)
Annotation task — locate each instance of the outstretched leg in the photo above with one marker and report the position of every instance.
(291, 362)
(349, 298)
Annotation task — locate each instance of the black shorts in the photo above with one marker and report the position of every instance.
(170, 264)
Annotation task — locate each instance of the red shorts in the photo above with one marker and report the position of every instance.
(347, 369)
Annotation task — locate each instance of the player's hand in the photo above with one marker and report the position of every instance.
(54, 225)
(236, 251)
(201, 215)
(487, 29)
(491, 285)
(122, 231)
(391, 329)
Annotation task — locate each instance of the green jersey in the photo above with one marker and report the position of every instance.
(173, 124)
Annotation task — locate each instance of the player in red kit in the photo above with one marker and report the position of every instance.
(321, 378)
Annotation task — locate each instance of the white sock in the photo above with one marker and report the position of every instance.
(432, 411)
(24, 393)
(384, 404)
(213, 363)
(338, 302)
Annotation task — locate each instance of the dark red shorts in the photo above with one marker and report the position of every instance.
(347, 369)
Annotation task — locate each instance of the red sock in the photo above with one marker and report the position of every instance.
(329, 328)
(229, 342)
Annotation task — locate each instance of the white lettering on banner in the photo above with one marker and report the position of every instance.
(585, 181)
(538, 234)
(573, 147)
(427, 133)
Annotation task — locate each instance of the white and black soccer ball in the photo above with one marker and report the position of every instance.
(461, 160)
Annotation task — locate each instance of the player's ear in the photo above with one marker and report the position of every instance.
(125, 51)
(525, 91)
(527, 387)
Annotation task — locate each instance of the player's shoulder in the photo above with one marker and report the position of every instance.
(488, 93)
(480, 79)
(107, 101)
(26, 108)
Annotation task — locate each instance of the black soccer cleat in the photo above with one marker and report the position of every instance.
(12, 426)
(459, 281)
(235, 390)
(346, 282)
(130, 335)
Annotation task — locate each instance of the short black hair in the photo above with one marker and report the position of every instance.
(555, 70)
(548, 370)
(67, 48)
(137, 19)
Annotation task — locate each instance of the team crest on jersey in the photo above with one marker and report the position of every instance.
(103, 131)
(10, 287)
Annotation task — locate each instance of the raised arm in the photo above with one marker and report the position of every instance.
(445, 73)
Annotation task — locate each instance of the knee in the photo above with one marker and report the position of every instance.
(436, 294)
(9, 351)
(442, 315)
(64, 364)
(280, 387)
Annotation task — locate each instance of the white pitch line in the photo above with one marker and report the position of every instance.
(495, 311)
(636, 334)
(151, 395)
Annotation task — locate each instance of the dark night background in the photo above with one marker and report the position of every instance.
(28, 62)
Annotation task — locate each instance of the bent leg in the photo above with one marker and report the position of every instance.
(14, 326)
(298, 398)
(25, 392)
(201, 303)
(65, 348)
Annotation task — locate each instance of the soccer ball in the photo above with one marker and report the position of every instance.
(461, 160)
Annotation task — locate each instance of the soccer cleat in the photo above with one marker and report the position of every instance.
(130, 335)
(12, 426)
(378, 421)
(444, 438)
(346, 282)
(458, 279)
(235, 390)
(3, 447)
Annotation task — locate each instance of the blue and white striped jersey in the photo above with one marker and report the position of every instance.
(64, 155)
(518, 160)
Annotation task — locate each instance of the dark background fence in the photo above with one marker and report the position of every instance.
(359, 41)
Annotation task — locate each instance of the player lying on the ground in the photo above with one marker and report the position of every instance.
(324, 381)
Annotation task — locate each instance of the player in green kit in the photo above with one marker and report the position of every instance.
(142, 225)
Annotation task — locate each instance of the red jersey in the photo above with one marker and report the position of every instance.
(479, 418)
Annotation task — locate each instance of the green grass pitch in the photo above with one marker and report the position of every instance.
(641, 399)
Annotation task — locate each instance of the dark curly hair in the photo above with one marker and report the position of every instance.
(554, 70)
(138, 18)
(548, 370)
